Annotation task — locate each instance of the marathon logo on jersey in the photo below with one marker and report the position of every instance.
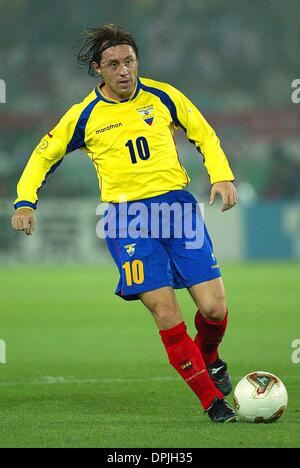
(109, 127)
(147, 114)
(187, 365)
(130, 249)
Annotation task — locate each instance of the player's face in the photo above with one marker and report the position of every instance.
(119, 68)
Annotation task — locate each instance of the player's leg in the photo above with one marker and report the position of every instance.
(211, 323)
(195, 268)
(164, 307)
(145, 272)
(211, 317)
(183, 353)
(209, 296)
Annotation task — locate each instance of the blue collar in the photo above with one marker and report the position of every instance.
(105, 99)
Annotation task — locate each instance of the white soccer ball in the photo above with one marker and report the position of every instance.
(260, 397)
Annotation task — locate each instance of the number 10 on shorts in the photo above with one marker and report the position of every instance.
(134, 272)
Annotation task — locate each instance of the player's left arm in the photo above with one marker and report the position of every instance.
(228, 192)
(200, 133)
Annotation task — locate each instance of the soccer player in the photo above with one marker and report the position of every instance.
(126, 126)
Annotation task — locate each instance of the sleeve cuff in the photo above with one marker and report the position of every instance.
(25, 204)
(222, 179)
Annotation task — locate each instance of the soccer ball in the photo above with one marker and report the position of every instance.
(260, 397)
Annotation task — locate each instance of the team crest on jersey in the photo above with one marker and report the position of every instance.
(147, 114)
(130, 249)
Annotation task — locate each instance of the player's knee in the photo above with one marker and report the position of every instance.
(214, 310)
(164, 314)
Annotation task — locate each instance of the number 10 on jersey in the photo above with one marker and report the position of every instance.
(140, 147)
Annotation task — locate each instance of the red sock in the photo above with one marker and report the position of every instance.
(186, 358)
(209, 336)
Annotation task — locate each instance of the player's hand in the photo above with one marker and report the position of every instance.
(228, 193)
(24, 220)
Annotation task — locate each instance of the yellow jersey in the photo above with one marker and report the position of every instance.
(131, 144)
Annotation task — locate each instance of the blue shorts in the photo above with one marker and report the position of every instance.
(155, 247)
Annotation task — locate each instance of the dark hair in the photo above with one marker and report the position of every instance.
(97, 40)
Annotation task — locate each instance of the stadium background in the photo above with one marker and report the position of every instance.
(236, 60)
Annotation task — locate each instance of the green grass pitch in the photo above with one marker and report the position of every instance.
(86, 369)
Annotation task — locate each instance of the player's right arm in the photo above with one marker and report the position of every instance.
(46, 157)
(24, 220)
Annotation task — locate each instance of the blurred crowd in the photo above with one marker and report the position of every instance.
(230, 57)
